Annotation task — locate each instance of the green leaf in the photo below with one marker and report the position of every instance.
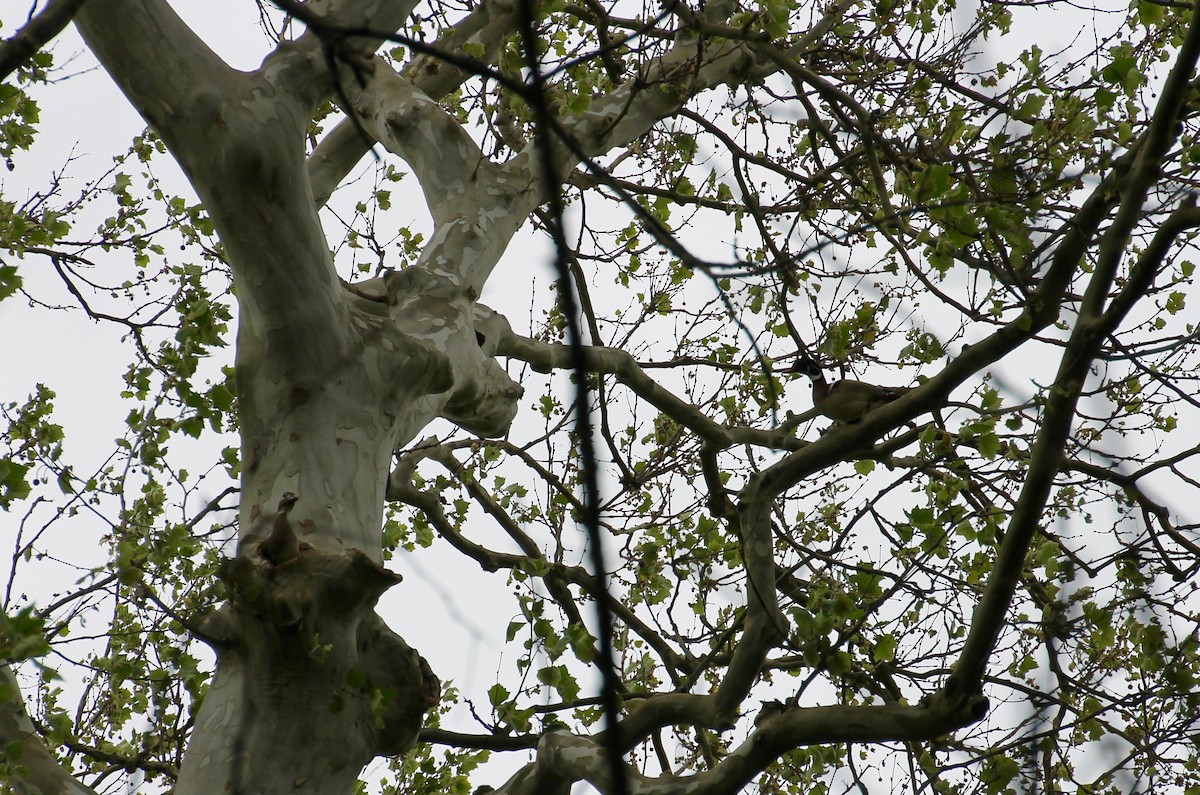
(498, 694)
(885, 649)
(10, 281)
(933, 182)
(838, 663)
(22, 636)
(560, 678)
(13, 485)
(1151, 14)
(1175, 302)
(582, 643)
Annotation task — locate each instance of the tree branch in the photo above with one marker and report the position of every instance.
(444, 158)
(1049, 450)
(544, 357)
(486, 25)
(564, 756)
(159, 63)
(35, 34)
(30, 766)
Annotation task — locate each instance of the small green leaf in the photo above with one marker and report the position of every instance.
(885, 649)
(838, 663)
(22, 636)
(13, 485)
(10, 281)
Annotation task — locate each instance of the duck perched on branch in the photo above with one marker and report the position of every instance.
(846, 400)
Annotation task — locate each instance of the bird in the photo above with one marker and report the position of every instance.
(846, 401)
(281, 544)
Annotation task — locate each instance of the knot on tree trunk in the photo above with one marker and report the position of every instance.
(434, 307)
(307, 631)
(486, 403)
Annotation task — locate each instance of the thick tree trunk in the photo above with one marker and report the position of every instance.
(310, 684)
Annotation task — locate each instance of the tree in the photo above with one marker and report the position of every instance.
(982, 586)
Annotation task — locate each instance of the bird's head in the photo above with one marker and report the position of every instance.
(804, 365)
(287, 501)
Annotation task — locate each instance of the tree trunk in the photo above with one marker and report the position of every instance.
(310, 683)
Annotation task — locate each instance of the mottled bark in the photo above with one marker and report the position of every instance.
(310, 684)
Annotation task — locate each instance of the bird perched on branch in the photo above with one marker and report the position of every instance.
(845, 400)
(281, 544)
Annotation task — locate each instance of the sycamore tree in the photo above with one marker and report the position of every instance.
(983, 586)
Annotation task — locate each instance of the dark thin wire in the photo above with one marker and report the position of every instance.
(610, 683)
